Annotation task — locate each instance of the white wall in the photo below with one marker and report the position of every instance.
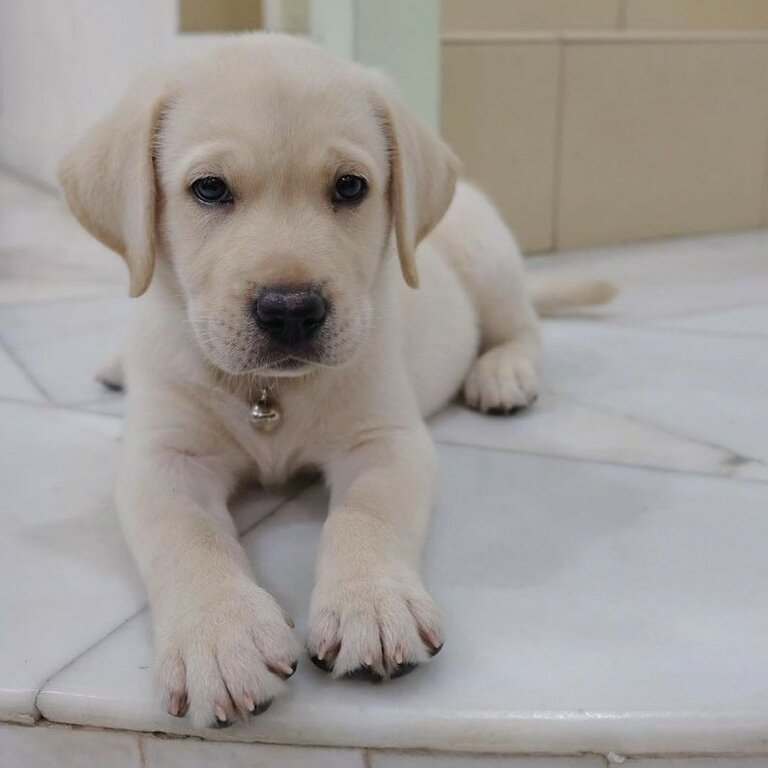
(400, 37)
(63, 63)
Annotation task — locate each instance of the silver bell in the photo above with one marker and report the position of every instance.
(264, 413)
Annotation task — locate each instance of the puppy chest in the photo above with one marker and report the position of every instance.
(273, 468)
(275, 457)
(297, 438)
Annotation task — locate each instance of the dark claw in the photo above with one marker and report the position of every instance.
(403, 669)
(222, 723)
(112, 386)
(321, 663)
(503, 411)
(281, 674)
(261, 707)
(435, 651)
(364, 673)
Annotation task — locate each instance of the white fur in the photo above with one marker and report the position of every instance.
(278, 117)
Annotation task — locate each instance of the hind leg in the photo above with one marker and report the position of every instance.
(484, 253)
(504, 378)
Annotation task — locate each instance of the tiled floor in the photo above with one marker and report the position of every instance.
(600, 559)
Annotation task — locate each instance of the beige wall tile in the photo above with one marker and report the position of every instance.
(499, 105)
(219, 15)
(661, 139)
(697, 14)
(511, 15)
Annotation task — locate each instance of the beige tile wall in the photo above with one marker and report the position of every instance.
(506, 131)
(487, 15)
(519, 15)
(604, 136)
(219, 15)
(661, 138)
(696, 14)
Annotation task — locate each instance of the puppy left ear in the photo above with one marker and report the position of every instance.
(423, 174)
(109, 179)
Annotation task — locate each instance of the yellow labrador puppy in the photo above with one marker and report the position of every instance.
(265, 200)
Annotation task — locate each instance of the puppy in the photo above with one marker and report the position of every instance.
(265, 200)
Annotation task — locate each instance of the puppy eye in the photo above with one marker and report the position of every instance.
(211, 190)
(350, 189)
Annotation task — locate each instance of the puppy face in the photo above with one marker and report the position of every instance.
(275, 210)
(271, 175)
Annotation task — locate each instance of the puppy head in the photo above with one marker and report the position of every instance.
(271, 177)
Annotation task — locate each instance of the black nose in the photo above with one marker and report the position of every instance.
(290, 316)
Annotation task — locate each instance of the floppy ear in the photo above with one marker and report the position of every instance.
(423, 173)
(109, 180)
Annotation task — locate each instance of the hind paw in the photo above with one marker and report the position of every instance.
(503, 380)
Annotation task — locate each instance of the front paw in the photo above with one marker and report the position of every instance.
(224, 656)
(373, 627)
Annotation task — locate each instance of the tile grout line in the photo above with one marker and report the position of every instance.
(621, 16)
(27, 373)
(80, 655)
(711, 241)
(372, 752)
(280, 505)
(400, 753)
(603, 462)
(53, 406)
(698, 312)
(733, 335)
(655, 324)
(557, 169)
(738, 458)
(51, 192)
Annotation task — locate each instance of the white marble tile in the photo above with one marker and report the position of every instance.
(14, 383)
(66, 578)
(59, 747)
(706, 389)
(410, 760)
(588, 608)
(741, 321)
(670, 277)
(17, 191)
(45, 254)
(253, 505)
(188, 753)
(112, 404)
(64, 343)
(630, 395)
(557, 426)
(65, 575)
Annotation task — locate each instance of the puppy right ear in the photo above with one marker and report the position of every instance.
(423, 174)
(109, 179)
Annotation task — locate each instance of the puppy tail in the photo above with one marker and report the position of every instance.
(561, 293)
